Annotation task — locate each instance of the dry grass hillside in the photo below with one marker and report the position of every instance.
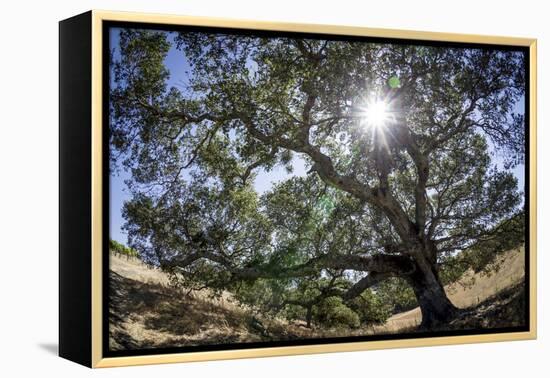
(146, 312)
(472, 290)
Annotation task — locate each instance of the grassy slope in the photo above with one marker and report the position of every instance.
(471, 290)
(147, 313)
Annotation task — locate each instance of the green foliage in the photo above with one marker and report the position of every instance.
(121, 249)
(333, 313)
(371, 307)
(424, 181)
(507, 235)
(396, 295)
(263, 295)
(482, 255)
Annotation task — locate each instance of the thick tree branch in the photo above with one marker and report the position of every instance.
(364, 283)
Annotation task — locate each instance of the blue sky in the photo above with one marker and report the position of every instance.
(178, 65)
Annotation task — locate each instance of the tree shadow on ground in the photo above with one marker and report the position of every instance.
(146, 315)
(152, 315)
(503, 310)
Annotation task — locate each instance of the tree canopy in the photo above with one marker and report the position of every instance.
(395, 194)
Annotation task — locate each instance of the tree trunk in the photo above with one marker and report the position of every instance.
(437, 310)
(309, 316)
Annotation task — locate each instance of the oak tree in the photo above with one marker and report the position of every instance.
(408, 150)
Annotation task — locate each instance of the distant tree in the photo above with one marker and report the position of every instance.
(397, 138)
(121, 249)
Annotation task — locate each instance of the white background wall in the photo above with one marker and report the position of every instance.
(29, 175)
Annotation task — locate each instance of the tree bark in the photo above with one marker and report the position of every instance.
(309, 315)
(436, 308)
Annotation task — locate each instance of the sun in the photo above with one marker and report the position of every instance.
(376, 114)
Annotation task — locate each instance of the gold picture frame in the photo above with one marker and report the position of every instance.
(93, 263)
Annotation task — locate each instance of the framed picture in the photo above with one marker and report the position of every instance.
(234, 189)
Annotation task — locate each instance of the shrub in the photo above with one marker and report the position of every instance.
(370, 308)
(332, 312)
(397, 295)
(121, 249)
